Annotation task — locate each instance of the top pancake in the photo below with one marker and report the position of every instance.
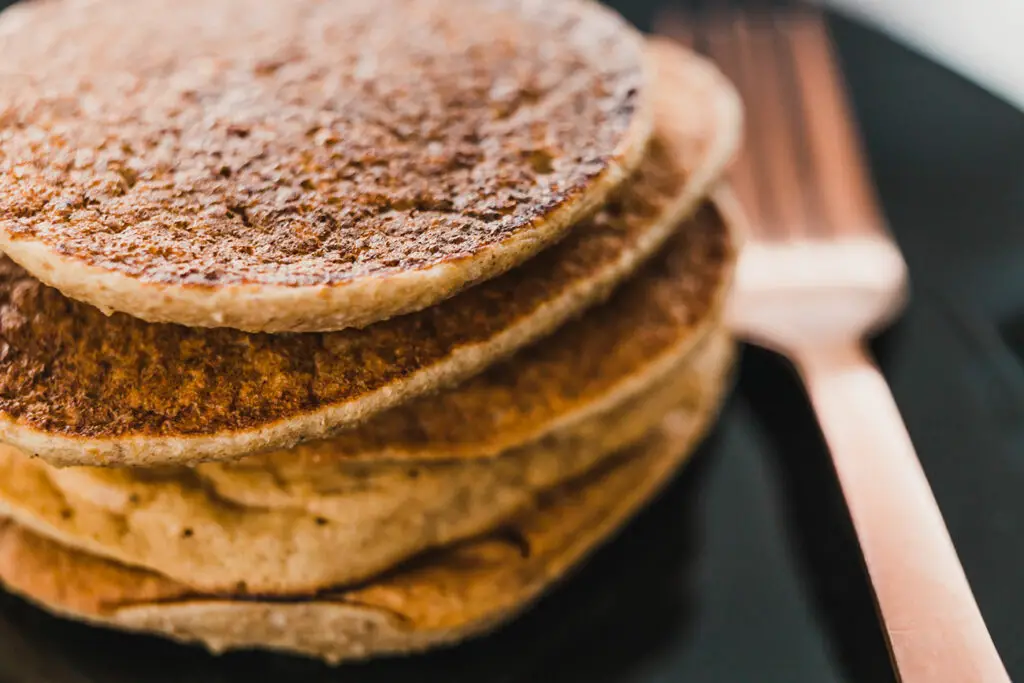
(77, 387)
(302, 165)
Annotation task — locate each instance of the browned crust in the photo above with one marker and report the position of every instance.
(614, 351)
(301, 165)
(79, 388)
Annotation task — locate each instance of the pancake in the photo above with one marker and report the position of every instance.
(260, 531)
(300, 165)
(582, 369)
(80, 388)
(646, 334)
(438, 599)
(266, 523)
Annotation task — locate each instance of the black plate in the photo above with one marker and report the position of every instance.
(746, 569)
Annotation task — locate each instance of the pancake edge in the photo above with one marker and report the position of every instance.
(336, 630)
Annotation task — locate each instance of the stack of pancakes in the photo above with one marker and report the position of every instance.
(346, 328)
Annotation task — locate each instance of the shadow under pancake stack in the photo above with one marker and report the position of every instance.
(342, 328)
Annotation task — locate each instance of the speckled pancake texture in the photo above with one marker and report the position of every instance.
(646, 330)
(78, 387)
(305, 165)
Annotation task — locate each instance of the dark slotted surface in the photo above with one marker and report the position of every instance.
(745, 570)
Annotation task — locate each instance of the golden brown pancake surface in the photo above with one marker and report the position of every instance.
(68, 368)
(197, 145)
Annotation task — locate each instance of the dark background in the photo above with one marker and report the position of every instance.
(746, 569)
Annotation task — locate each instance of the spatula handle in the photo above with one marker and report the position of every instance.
(935, 630)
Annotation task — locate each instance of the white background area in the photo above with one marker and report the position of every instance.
(982, 39)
